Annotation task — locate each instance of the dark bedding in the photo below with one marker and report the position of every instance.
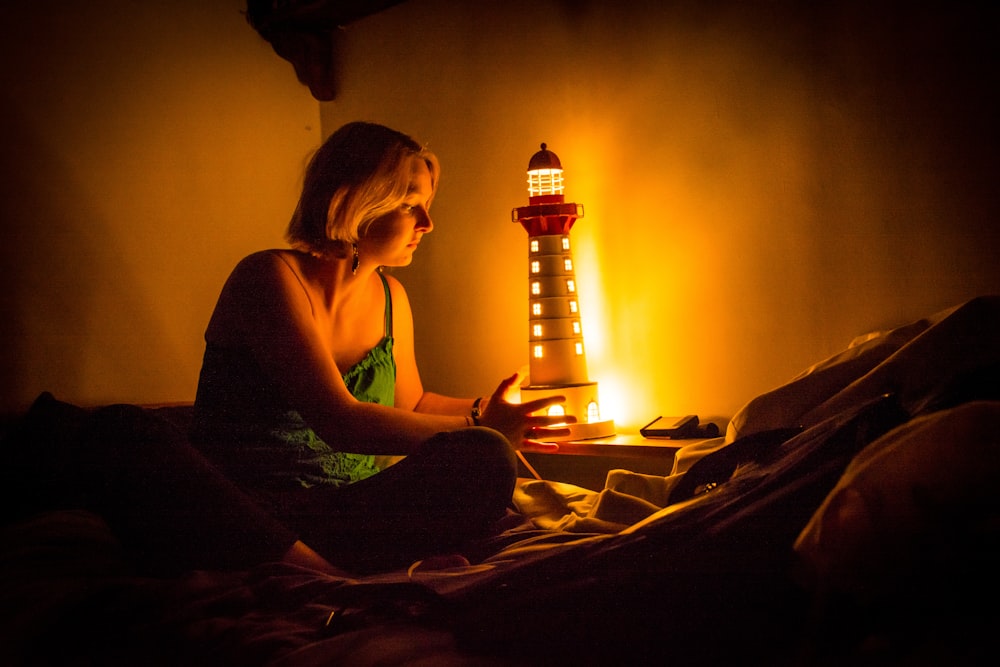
(849, 516)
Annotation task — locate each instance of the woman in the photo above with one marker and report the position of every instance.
(309, 373)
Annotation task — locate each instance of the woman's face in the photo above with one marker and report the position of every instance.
(392, 239)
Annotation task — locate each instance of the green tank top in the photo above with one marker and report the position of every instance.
(275, 447)
(371, 380)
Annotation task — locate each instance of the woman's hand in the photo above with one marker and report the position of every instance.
(516, 422)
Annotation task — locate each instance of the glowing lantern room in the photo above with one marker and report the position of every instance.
(556, 350)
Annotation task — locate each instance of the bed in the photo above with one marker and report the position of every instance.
(848, 516)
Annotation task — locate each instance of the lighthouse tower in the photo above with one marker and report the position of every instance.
(557, 356)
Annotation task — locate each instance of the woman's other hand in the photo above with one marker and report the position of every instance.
(516, 422)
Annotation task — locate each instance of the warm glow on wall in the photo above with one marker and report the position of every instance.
(755, 196)
(615, 391)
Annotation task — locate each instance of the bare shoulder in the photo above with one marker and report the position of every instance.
(394, 285)
(268, 271)
(397, 291)
(259, 284)
(269, 263)
(402, 313)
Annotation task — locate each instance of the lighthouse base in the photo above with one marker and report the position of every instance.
(585, 431)
(581, 402)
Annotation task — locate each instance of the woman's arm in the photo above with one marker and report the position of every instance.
(437, 404)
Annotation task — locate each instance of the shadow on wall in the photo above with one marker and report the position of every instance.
(41, 241)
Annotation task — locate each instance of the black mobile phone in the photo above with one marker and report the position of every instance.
(675, 428)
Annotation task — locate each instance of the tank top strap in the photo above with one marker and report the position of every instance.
(388, 306)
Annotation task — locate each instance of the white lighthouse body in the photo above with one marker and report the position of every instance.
(556, 351)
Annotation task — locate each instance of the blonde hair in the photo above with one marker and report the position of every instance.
(359, 174)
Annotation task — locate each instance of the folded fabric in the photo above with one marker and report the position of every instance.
(930, 363)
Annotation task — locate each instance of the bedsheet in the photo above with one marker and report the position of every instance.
(929, 364)
(747, 553)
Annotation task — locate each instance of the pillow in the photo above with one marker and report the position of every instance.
(923, 363)
(38, 473)
(785, 406)
(916, 512)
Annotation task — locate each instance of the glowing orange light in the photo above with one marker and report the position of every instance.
(542, 182)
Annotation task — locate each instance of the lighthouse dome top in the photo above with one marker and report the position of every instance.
(544, 159)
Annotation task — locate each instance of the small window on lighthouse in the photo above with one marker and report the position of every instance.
(579, 349)
(536, 266)
(537, 330)
(568, 264)
(538, 349)
(593, 412)
(565, 242)
(576, 326)
(533, 246)
(556, 411)
(573, 308)
(536, 308)
(571, 286)
(536, 288)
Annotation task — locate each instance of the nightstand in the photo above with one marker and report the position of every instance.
(586, 462)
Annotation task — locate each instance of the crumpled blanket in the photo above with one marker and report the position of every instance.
(932, 363)
(627, 498)
(941, 360)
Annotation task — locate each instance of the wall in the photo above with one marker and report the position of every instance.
(147, 147)
(762, 180)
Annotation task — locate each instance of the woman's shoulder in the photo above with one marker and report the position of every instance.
(393, 282)
(260, 282)
(269, 266)
(262, 275)
(270, 259)
(396, 288)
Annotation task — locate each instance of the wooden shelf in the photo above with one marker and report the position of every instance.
(624, 445)
(586, 462)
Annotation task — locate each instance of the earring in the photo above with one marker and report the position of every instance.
(356, 260)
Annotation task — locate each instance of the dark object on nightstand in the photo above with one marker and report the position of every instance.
(679, 428)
